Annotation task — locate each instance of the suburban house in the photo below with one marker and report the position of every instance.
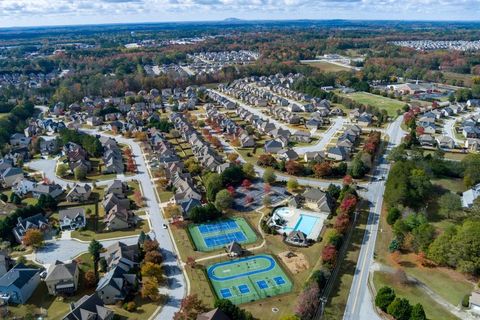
(119, 218)
(445, 142)
(273, 146)
(337, 153)
(115, 285)
(23, 186)
(121, 255)
(19, 283)
(79, 193)
(6, 263)
(19, 140)
(215, 314)
(62, 278)
(72, 218)
(89, 308)
(317, 200)
(118, 188)
(37, 221)
(53, 190)
(426, 140)
(10, 176)
(297, 238)
(469, 196)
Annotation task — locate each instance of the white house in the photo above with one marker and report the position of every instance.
(22, 186)
(469, 196)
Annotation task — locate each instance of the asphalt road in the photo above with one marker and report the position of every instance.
(360, 302)
(173, 270)
(325, 139)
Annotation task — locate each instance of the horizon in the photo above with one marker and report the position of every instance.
(233, 20)
(44, 13)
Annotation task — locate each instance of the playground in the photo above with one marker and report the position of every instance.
(216, 235)
(248, 279)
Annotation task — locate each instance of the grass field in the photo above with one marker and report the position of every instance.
(382, 103)
(327, 66)
(248, 279)
(215, 235)
(414, 295)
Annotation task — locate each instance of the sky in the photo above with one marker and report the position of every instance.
(66, 12)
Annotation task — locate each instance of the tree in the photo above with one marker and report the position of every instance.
(347, 180)
(150, 289)
(294, 168)
(423, 236)
(267, 201)
(80, 173)
(233, 175)
(448, 204)
(47, 202)
(292, 184)
(190, 307)
(322, 169)
(400, 309)
(94, 248)
(223, 200)
(153, 257)
(150, 245)
(320, 277)
(232, 311)
(90, 279)
(418, 313)
(329, 254)
(33, 237)
(358, 168)
(385, 296)
(393, 215)
(342, 222)
(266, 160)
(204, 213)
(150, 269)
(249, 170)
(308, 302)
(15, 199)
(246, 184)
(269, 176)
(213, 184)
(232, 157)
(62, 170)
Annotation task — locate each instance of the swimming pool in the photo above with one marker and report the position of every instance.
(295, 219)
(306, 223)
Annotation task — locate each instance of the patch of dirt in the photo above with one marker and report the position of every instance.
(295, 261)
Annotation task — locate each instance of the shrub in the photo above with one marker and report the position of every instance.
(400, 309)
(130, 306)
(393, 215)
(466, 301)
(384, 298)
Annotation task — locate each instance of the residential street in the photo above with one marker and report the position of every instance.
(173, 269)
(68, 249)
(325, 139)
(360, 303)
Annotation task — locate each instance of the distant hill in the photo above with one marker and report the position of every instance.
(232, 20)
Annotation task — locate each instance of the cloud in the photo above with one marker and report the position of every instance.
(75, 11)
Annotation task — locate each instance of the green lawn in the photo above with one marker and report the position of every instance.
(327, 66)
(165, 196)
(415, 295)
(390, 105)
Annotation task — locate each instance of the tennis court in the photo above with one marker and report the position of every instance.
(248, 279)
(216, 235)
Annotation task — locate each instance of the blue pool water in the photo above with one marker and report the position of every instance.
(305, 224)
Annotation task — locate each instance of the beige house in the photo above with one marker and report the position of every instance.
(62, 278)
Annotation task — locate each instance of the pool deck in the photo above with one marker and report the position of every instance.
(293, 218)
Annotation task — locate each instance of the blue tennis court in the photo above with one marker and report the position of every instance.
(279, 280)
(243, 288)
(218, 227)
(262, 284)
(224, 239)
(226, 293)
